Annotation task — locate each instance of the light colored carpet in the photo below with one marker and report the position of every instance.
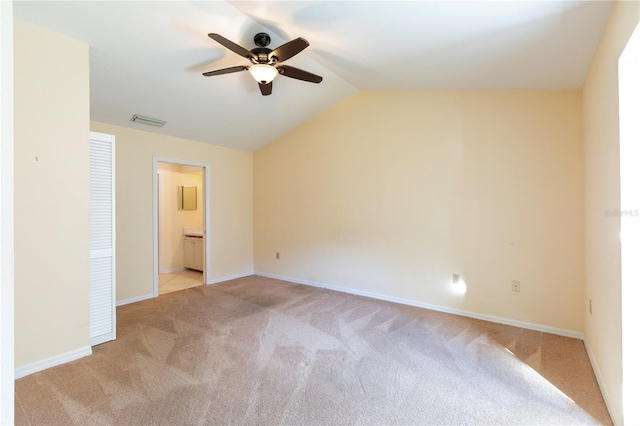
(262, 351)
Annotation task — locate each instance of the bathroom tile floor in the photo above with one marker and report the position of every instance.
(176, 281)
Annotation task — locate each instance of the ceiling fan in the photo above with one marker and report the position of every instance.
(265, 63)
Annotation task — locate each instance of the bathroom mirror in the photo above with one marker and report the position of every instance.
(187, 198)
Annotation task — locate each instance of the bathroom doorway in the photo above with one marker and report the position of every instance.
(180, 219)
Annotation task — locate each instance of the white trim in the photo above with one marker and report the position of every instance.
(491, 318)
(629, 109)
(64, 358)
(134, 299)
(7, 273)
(159, 176)
(214, 281)
(230, 277)
(206, 213)
(172, 270)
(616, 417)
(104, 338)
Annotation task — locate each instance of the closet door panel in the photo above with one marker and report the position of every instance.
(102, 238)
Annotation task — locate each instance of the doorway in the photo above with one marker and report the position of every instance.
(180, 223)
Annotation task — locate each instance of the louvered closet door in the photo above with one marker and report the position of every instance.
(102, 238)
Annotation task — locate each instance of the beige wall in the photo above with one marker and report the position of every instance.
(52, 194)
(172, 219)
(602, 192)
(393, 192)
(229, 188)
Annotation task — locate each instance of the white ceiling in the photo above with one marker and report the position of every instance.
(147, 57)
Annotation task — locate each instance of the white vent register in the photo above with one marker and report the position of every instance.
(102, 238)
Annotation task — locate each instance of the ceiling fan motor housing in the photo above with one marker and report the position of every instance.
(262, 39)
(262, 56)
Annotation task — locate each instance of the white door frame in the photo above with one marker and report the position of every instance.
(7, 372)
(629, 102)
(205, 212)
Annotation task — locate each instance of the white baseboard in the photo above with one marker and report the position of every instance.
(491, 318)
(615, 416)
(25, 370)
(230, 277)
(134, 299)
(172, 270)
(215, 281)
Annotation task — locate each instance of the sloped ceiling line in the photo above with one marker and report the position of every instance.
(148, 57)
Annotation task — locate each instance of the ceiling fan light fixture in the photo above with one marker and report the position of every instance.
(263, 73)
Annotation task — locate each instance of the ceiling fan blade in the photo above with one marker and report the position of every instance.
(298, 74)
(289, 49)
(266, 88)
(232, 46)
(226, 70)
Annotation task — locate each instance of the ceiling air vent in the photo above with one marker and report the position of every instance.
(137, 118)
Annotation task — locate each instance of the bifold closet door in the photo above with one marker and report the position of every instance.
(102, 238)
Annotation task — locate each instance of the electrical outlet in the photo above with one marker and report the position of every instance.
(515, 285)
(277, 255)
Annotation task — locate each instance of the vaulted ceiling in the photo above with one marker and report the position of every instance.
(148, 57)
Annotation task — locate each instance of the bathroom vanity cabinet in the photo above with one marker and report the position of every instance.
(193, 252)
